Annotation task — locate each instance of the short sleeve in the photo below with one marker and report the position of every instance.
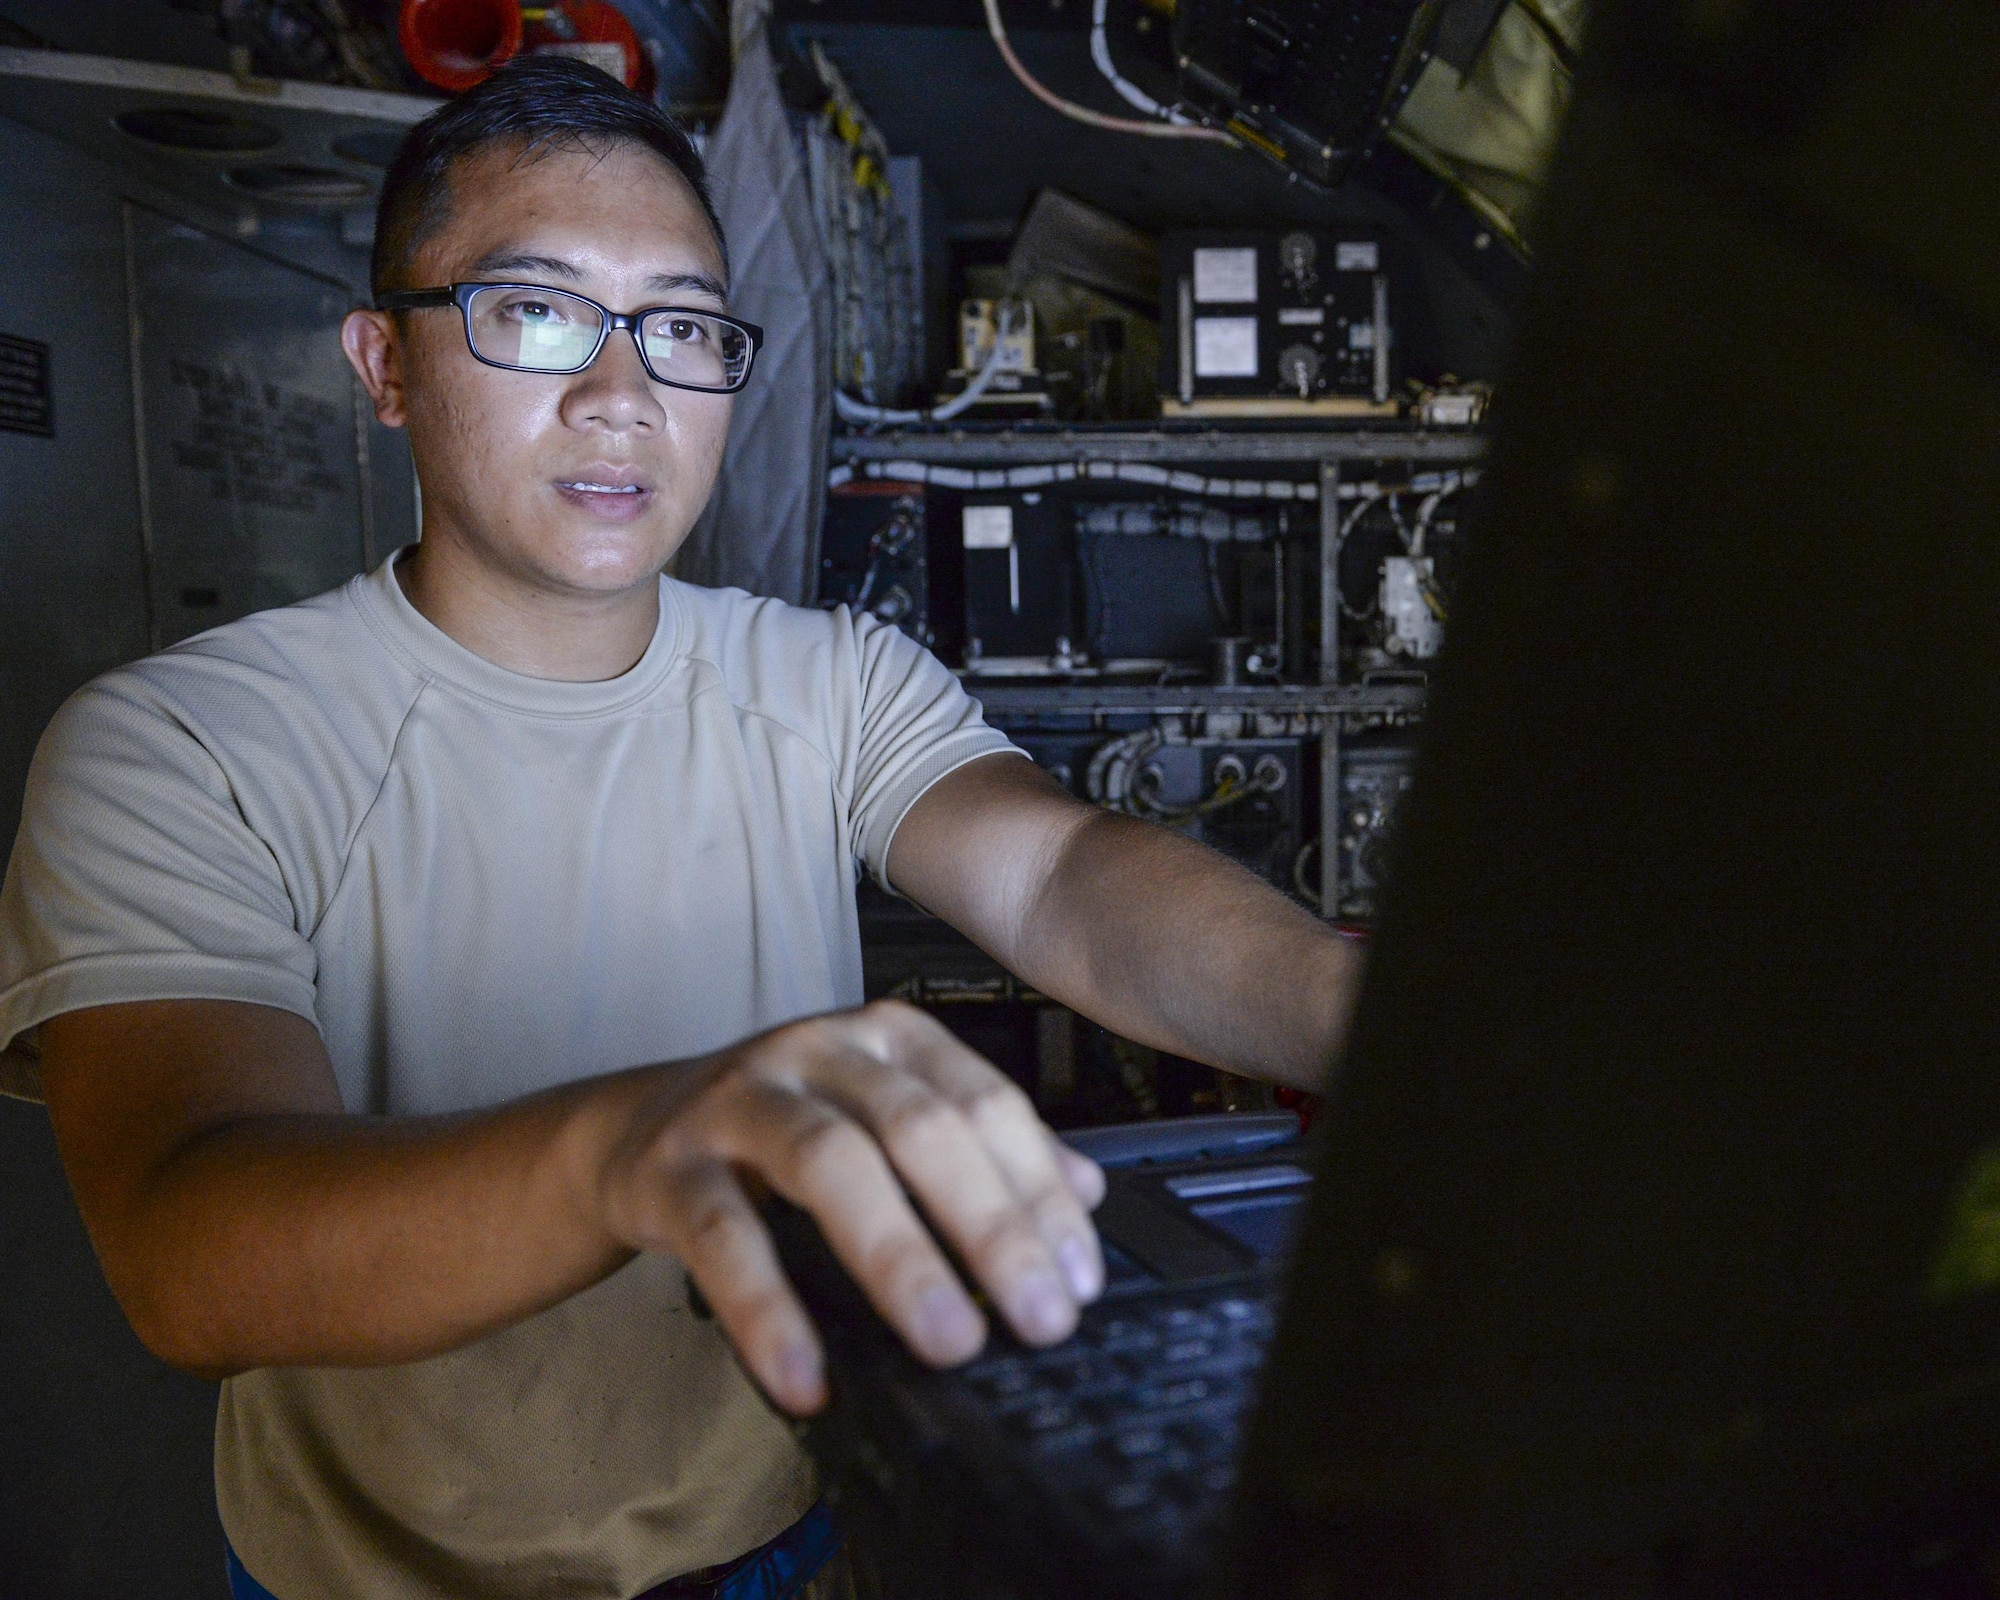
(136, 877)
(917, 724)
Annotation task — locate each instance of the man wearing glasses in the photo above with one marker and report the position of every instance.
(428, 977)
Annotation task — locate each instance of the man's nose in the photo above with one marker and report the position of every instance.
(614, 392)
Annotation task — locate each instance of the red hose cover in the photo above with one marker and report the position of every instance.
(457, 43)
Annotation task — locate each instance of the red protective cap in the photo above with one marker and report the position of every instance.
(1301, 1105)
(456, 43)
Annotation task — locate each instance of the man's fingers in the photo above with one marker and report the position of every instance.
(1032, 1160)
(1005, 1125)
(1084, 1176)
(711, 1228)
(824, 1162)
(829, 1113)
(1002, 1235)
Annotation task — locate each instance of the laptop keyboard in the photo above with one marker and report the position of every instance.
(1135, 1421)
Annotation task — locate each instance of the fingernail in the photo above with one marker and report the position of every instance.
(947, 1326)
(1079, 1264)
(799, 1365)
(1040, 1306)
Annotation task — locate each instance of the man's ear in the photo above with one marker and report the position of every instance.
(376, 354)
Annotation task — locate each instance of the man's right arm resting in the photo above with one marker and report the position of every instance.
(244, 1219)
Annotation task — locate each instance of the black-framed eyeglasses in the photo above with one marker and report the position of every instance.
(529, 327)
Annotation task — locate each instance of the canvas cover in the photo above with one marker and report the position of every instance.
(760, 530)
(1488, 131)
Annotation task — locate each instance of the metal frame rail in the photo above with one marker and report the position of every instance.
(1327, 703)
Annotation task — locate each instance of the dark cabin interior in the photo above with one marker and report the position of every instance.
(1248, 665)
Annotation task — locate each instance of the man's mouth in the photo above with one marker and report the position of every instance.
(608, 498)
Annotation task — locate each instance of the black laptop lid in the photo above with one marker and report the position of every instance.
(1659, 1220)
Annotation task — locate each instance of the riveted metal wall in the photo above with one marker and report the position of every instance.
(253, 451)
(211, 453)
(72, 585)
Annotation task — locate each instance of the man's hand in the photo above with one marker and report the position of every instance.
(832, 1113)
(244, 1220)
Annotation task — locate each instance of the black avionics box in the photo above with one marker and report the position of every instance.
(1301, 315)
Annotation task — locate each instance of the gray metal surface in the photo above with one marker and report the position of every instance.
(74, 598)
(253, 493)
(72, 595)
(1023, 446)
(108, 1489)
(78, 98)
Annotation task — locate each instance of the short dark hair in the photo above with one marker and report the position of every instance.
(539, 103)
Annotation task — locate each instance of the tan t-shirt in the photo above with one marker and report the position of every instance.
(478, 885)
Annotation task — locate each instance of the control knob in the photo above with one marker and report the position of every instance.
(1298, 368)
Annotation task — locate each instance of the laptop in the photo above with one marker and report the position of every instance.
(1107, 1459)
(1653, 1239)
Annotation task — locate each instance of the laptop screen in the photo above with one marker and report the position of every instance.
(1648, 1164)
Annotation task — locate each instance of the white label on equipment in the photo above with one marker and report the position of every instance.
(1356, 256)
(607, 55)
(989, 527)
(1301, 316)
(1225, 347)
(1361, 336)
(1225, 277)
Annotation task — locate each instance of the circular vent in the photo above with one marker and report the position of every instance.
(373, 147)
(204, 132)
(303, 186)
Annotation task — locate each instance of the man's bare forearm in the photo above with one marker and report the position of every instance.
(245, 1220)
(316, 1238)
(1176, 946)
(334, 1241)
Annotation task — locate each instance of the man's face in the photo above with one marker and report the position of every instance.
(534, 473)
